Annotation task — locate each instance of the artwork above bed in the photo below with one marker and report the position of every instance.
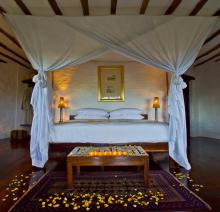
(111, 83)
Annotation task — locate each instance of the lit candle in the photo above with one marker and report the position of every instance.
(125, 153)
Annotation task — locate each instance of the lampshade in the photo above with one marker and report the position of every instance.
(156, 103)
(62, 103)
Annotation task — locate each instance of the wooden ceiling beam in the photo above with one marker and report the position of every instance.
(217, 13)
(207, 60)
(85, 7)
(23, 7)
(208, 52)
(2, 10)
(113, 7)
(14, 60)
(10, 37)
(2, 61)
(13, 52)
(198, 7)
(144, 6)
(55, 7)
(172, 7)
(211, 37)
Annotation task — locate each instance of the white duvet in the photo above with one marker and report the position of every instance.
(110, 131)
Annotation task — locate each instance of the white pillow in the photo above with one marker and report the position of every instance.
(91, 117)
(139, 117)
(92, 112)
(126, 111)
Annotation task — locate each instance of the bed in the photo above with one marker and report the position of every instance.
(110, 131)
(98, 127)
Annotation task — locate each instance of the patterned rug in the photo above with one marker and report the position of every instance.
(120, 191)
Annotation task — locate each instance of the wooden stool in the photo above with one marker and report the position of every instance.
(19, 135)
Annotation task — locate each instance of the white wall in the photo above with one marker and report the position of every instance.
(11, 92)
(79, 86)
(205, 101)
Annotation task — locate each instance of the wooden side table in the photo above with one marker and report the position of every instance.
(80, 156)
(145, 116)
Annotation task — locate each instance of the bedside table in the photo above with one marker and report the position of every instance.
(145, 116)
(72, 117)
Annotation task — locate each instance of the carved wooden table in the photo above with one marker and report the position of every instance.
(106, 156)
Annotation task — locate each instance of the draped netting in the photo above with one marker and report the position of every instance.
(168, 42)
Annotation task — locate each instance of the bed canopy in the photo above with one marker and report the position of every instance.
(51, 43)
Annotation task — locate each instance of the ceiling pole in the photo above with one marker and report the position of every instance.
(55, 7)
(208, 52)
(2, 61)
(207, 60)
(2, 10)
(85, 7)
(198, 7)
(23, 7)
(144, 7)
(16, 61)
(13, 52)
(10, 37)
(113, 7)
(173, 7)
(217, 13)
(211, 37)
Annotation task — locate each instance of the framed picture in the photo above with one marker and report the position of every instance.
(111, 83)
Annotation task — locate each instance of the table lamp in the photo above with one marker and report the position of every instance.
(156, 105)
(61, 105)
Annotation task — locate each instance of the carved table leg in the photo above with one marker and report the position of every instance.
(146, 173)
(78, 170)
(69, 174)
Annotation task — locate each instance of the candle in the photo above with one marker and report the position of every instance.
(125, 153)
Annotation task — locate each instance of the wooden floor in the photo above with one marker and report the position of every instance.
(204, 158)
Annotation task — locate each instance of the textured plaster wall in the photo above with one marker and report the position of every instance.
(11, 92)
(79, 86)
(205, 101)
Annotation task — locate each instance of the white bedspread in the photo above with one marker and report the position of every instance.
(110, 131)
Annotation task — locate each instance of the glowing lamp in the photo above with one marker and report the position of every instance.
(61, 105)
(156, 105)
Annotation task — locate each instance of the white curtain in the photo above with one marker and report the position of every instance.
(167, 42)
(49, 45)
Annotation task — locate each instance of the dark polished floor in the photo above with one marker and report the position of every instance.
(205, 161)
(204, 158)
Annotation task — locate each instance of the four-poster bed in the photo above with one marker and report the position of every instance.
(167, 42)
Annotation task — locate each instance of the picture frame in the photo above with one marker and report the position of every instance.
(111, 83)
